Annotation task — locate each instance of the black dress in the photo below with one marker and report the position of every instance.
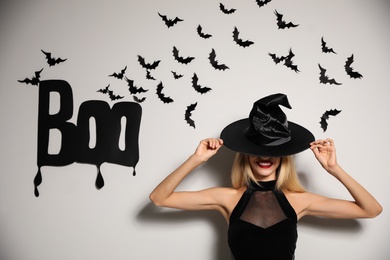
(263, 225)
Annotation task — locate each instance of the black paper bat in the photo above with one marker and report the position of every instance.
(198, 87)
(52, 61)
(118, 75)
(179, 58)
(325, 79)
(239, 41)
(110, 93)
(226, 11)
(283, 24)
(134, 89)
(287, 60)
(188, 114)
(139, 100)
(176, 76)
(349, 69)
(170, 22)
(34, 80)
(201, 34)
(214, 62)
(162, 96)
(325, 116)
(262, 3)
(148, 66)
(324, 48)
(149, 76)
(275, 58)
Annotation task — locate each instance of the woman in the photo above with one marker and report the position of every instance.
(266, 200)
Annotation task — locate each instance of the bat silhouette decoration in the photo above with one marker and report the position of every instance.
(262, 3)
(180, 59)
(188, 114)
(134, 89)
(119, 75)
(239, 41)
(325, 117)
(325, 79)
(139, 100)
(149, 76)
(283, 24)
(226, 11)
(214, 62)
(198, 88)
(52, 61)
(176, 75)
(110, 93)
(170, 22)
(325, 48)
(203, 35)
(148, 66)
(287, 60)
(349, 69)
(161, 95)
(34, 80)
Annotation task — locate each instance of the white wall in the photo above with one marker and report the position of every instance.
(71, 219)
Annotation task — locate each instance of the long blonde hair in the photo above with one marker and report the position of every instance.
(287, 178)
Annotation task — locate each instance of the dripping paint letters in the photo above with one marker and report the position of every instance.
(75, 139)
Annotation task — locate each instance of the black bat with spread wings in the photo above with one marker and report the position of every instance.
(203, 35)
(179, 58)
(134, 89)
(214, 62)
(287, 60)
(283, 24)
(170, 22)
(34, 80)
(325, 48)
(161, 95)
(198, 87)
(188, 114)
(349, 70)
(262, 3)
(149, 76)
(325, 117)
(226, 11)
(139, 100)
(119, 75)
(325, 79)
(176, 75)
(52, 61)
(110, 93)
(148, 66)
(239, 41)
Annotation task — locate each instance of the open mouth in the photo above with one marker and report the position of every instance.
(264, 164)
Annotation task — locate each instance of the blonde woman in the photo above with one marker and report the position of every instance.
(266, 200)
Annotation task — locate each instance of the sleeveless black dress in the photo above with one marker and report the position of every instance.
(263, 225)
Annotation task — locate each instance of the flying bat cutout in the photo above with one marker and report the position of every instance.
(170, 22)
(214, 62)
(325, 117)
(262, 3)
(188, 114)
(283, 24)
(149, 76)
(198, 88)
(239, 41)
(52, 61)
(226, 11)
(325, 48)
(179, 58)
(134, 89)
(110, 93)
(349, 70)
(119, 75)
(176, 75)
(325, 79)
(161, 95)
(148, 66)
(34, 80)
(139, 100)
(203, 35)
(287, 60)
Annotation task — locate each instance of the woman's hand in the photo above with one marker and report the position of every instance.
(325, 152)
(208, 148)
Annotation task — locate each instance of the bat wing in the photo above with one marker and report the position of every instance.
(161, 96)
(198, 87)
(201, 34)
(176, 75)
(188, 114)
(226, 11)
(324, 124)
(240, 42)
(132, 88)
(325, 117)
(350, 71)
(324, 47)
(214, 62)
(179, 58)
(139, 100)
(325, 79)
(104, 90)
